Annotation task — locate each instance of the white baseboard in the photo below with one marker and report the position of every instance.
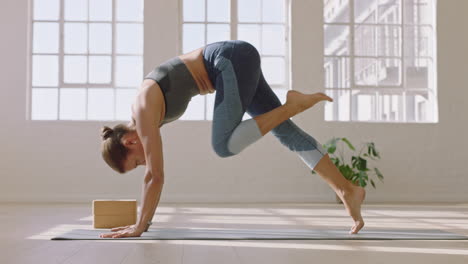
(207, 198)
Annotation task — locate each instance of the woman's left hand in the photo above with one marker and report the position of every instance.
(131, 231)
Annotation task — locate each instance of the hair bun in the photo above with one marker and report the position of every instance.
(106, 132)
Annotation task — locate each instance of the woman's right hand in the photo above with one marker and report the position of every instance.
(121, 228)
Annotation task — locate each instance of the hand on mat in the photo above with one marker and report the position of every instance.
(125, 231)
(121, 228)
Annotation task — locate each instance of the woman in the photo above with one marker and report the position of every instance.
(232, 70)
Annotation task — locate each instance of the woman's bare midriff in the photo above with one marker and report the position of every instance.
(194, 62)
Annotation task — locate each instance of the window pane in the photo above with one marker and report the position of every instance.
(46, 9)
(76, 9)
(124, 101)
(129, 38)
(129, 10)
(363, 106)
(388, 41)
(401, 70)
(100, 10)
(339, 108)
(194, 10)
(337, 72)
(418, 71)
(193, 37)
(219, 10)
(100, 38)
(217, 32)
(391, 107)
(273, 70)
(100, 69)
(73, 104)
(44, 104)
(195, 109)
(389, 72)
(76, 38)
(101, 104)
(419, 41)
(336, 40)
(281, 94)
(389, 11)
(365, 40)
(75, 69)
(129, 71)
(251, 34)
(45, 70)
(419, 11)
(336, 11)
(365, 71)
(365, 11)
(273, 11)
(249, 10)
(419, 106)
(45, 37)
(273, 40)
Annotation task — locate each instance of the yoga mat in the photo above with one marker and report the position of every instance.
(268, 234)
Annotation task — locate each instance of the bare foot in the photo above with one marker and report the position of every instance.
(352, 200)
(300, 101)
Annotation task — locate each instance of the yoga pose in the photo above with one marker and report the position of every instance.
(232, 70)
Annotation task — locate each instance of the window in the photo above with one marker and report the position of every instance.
(379, 60)
(86, 58)
(263, 23)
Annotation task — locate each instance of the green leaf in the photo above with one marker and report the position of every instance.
(359, 163)
(372, 183)
(372, 150)
(362, 182)
(362, 164)
(346, 171)
(363, 174)
(331, 145)
(363, 177)
(379, 174)
(348, 143)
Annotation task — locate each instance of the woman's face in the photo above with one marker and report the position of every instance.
(136, 153)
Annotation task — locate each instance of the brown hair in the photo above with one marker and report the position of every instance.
(114, 152)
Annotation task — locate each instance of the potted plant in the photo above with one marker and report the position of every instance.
(356, 169)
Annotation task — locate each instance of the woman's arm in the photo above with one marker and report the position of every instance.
(147, 112)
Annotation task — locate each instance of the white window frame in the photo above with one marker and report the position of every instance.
(233, 34)
(401, 89)
(61, 54)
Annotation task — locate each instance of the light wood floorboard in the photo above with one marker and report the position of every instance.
(27, 229)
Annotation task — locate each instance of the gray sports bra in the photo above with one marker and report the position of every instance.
(177, 85)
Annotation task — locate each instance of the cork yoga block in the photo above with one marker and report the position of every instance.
(114, 213)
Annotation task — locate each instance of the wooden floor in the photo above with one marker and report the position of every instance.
(26, 230)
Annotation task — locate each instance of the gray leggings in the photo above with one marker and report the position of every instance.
(234, 68)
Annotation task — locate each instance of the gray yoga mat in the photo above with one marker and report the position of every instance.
(268, 234)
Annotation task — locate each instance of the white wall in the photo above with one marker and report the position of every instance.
(60, 161)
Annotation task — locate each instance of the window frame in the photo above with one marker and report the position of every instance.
(233, 23)
(377, 90)
(61, 57)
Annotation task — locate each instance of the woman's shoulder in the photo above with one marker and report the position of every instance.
(149, 96)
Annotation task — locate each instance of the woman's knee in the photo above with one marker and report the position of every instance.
(221, 149)
(294, 138)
